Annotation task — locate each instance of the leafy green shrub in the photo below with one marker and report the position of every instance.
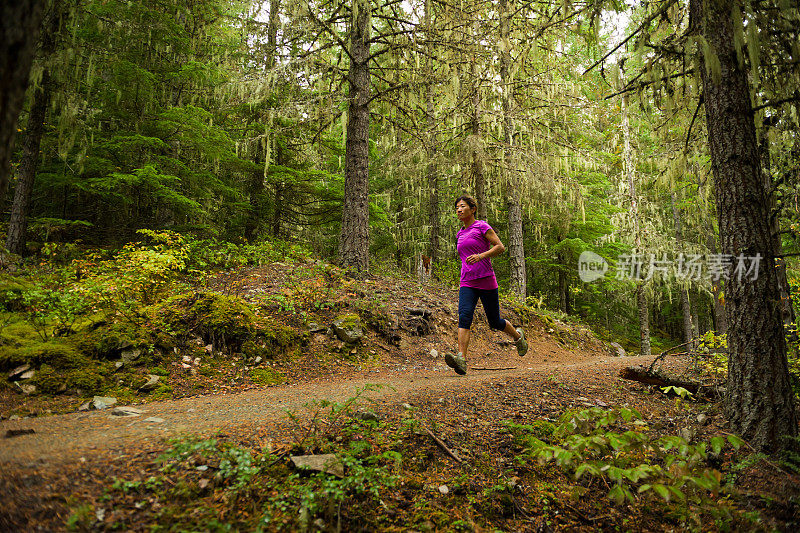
(631, 461)
(11, 291)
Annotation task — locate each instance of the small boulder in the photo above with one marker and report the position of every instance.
(126, 411)
(103, 402)
(130, 355)
(84, 406)
(617, 350)
(313, 327)
(152, 383)
(348, 328)
(434, 353)
(702, 419)
(154, 419)
(28, 375)
(17, 372)
(367, 416)
(327, 463)
(26, 388)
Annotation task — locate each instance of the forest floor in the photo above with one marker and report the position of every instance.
(461, 440)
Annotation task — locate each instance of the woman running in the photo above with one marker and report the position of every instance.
(477, 243)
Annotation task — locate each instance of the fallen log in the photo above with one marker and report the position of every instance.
(643, 374)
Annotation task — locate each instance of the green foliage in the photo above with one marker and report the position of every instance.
(631, 462)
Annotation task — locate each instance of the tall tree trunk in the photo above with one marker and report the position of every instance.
(20, 23)
(516, 247)
(433, 185)
(256, 194)
(431, 170)
(399, 252)
(629, 169)
(478, 174)
(354, 237)
(718, 304)
(280, 196)
(257, 179)
(787, 310)
(563, 290)
(759, 401)
(688, 333)
(26, 173)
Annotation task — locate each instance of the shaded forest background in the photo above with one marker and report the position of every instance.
(576, 125)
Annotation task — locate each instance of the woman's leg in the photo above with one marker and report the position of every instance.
(463, 340)
(467, 300)
(491, 305)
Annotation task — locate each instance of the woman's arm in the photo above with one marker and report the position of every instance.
(496, 249)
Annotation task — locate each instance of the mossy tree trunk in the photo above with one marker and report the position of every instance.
(516, 247)
(759, 402)
(629, 169)
(26, 172)
(354, 236)
(686, 310)
(20, 23)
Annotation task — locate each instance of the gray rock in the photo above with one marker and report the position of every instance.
(327, 463)
(126, 411)
(17, 372)
(103, 402)
(118, 365)
(26, 388)
(367, 416)
(406, 406)
(347, 331)
(84, 407)
(434, 353)
(313, 327)
(257, 360)
(444, 489)
(152, 383)
(154, 419)
(702, 419)
(28, 375)
(617, 350)
(130, 355)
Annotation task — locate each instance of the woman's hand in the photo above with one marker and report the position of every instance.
(474, 258)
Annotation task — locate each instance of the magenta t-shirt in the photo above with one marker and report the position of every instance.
(472, 240)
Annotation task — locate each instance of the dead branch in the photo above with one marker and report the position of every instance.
(645, 375)
(444, 447)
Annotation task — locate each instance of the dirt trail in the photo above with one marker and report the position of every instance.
(78, 436)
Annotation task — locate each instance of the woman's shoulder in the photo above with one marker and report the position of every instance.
(482, 225)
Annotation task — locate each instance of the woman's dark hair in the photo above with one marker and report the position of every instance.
(469, 199)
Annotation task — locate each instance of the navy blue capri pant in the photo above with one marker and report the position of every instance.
(468, 300)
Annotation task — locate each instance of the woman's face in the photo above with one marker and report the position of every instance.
(464, 211)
